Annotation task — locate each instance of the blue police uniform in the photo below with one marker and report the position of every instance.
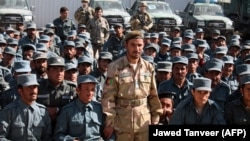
(181, 93)
(186, 114)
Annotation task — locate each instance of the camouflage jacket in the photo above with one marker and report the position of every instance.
(130, 99)
(82, 16)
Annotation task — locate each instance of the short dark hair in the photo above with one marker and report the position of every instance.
(98, 8)
(63, 9)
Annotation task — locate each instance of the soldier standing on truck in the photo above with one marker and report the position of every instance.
(141, 20)
(84, 13)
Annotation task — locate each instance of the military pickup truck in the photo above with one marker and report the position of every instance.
(163, 17)
(14, 11)
(208, 16)
(113, 11)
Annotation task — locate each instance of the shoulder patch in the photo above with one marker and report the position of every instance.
(109, 81)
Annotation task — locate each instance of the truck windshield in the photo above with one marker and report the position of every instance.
(212, 10)
(109, 5)
(154, 7)
(20, 4)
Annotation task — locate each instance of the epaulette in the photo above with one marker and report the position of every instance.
(10, 106)
(41, 105)
(224, 84)
(71, 104)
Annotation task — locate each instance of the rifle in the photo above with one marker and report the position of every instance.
(141, 19)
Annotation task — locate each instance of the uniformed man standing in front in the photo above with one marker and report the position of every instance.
(98, 27)
(25, 119)
(141, 20)
(84, 13)
(55, 92)
(64, 24)
(82, 119)
(130, 99)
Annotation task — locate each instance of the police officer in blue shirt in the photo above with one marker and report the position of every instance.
(238, 111)
(198, 109)
(178, 84)
(64, 24)
(82, 119)
(25, 119)
(220, 90)
(11, 94)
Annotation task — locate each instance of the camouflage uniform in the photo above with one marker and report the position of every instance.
(82, 16)
(130, 99)
(141, 21)
(99, 31)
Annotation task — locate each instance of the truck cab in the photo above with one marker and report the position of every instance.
(15, 11)
(113, 11)
(208, 15)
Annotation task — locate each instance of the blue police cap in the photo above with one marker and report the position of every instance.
(214, 65)
(81, 26)
(242, 69)
(85, 59)
(79, 45)
(3, 41)
(56, 61)
(201, 43)
(234, 43)
(106, 55)
(12, 41)
(31, 25)
(222, 37)
(177, 40)
(44, 38)
(41, 47)
(152, 45)
(221, 50)
(22, 66)
(180, 59)
(245, 79)
(245, 47)
(10, 29)
(86, 79)
(188, 47)
(228, 59)
(192, 56)
(29, 46)
(70, 66)
(202, 83)
(146, 35)
(118, 25)
(154, 35)
(164, 66)
(69, 43)
(9, 50)
(166, 41)
(39, 55)
(150, 59)
(188, 35)
(198, 30)
(49, 31)
(27, 80)
(50, 25)
(162, 33)
(175, 46)
(72, 33)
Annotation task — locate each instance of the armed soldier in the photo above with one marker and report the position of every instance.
(84, 13)
(141, 20)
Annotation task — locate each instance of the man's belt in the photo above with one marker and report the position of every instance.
(133, 103)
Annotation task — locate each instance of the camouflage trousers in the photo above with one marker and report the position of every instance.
(137, 136)
(97, 48)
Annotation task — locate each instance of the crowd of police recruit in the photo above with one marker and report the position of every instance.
(86, 81)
